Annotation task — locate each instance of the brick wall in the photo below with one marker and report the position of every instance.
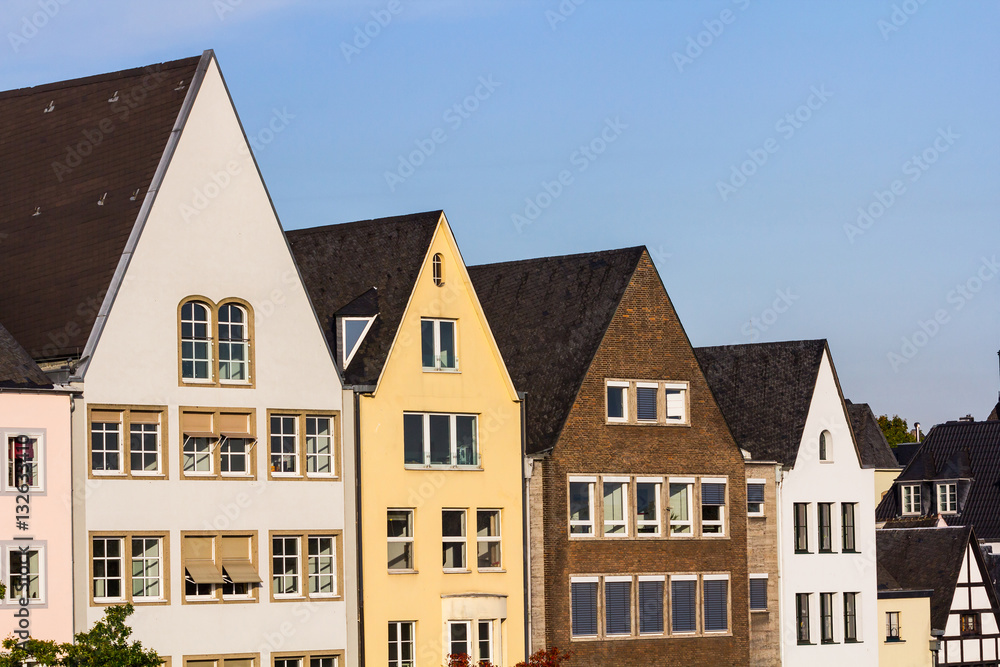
(763, 558)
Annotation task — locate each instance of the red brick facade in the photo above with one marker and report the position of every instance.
(645, 341)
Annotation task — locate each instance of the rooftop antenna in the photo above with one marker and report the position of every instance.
(100, 202)
(135, 194)
(51, 107)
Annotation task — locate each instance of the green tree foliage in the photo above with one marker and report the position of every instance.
(105, 645)
(896, 429)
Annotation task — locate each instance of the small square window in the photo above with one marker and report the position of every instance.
(437, 345)
(453, 538)
(758, 592)
(911, 499)
(947, 498)
(399, 532)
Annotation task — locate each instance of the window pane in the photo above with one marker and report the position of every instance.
(427, 343)
(413, 439)
(144, 447)
(440, 439)
(447, 344)
(579, 507)
(618, 607)
(647, 503)
(400, 555)
(615, 494)
(485, 641)
(675, 404)
(645, 398)
(459, 639)
(616, 402)
(758, 594)
(651, 606)
(352, 335)
(716, 606)
(682, 605)
(584, 608)
(680, 509)
(466, 434)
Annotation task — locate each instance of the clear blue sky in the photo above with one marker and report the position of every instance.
(887, 81)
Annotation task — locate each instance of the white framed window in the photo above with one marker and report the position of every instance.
(107, 569)
(197, 454)
(646, 401)
(716, 601)
(399, 531)
(322, 572)
(286, 572)
(617, 401)
(234, 456)
(284, 445)
(437, 269)
(617, 606)
(196, 343)
(947, 494)
(648, 491)
(755, 497)
(147, 568)
(453, 539)
(26, 572)
(144, 443)
(353, 331)
(825, 446)
(892, 626)
(460, 638)
(583, 606)
(650, 611)
(436, 439)
(581, 505)
(676, 402)
(488, 554)
(485, 643)
(615, 503)
(911, 498)
(319, 447)
(713, 506)
(234, 344)
(758, 592)
(106, 447)
(437, 345)
(681, 503)
(402, 644)
(25, 461)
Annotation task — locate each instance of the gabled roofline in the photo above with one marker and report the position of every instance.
(140, 223)
(843, 403)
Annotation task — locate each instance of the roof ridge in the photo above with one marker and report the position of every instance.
(773, 343)
(578, 255)
(370, 221)
(96, 78)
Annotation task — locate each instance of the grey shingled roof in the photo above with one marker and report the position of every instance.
(924, 558)
(959, 450)
(764, 391)
(59, 263)
(17, 369)
(549, 316)
(905, 451)
(872, 445)
(340, 263)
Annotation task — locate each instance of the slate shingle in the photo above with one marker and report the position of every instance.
(872, 445)
(17, 369)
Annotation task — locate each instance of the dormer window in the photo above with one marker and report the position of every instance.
(437, 269)
(437, 345)
(911, 498)
(947, 495)
(825, 446)
(352, 332)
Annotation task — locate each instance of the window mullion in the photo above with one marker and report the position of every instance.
(427, 438)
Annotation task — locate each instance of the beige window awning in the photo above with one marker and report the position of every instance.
(203, 571)
(241, 572)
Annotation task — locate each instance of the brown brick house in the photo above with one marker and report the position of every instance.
(637, 491)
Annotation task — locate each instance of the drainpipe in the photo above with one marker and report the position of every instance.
(357, 523)
(526, 562)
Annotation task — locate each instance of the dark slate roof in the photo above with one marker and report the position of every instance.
(923, 558)
(995, 415)
(959, 450)
(764, 391)
(563, 306)
(17, 369)
(59, 263)
(340, 264)
(905, 451)
(872, 445)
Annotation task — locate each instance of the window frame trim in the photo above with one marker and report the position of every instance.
(125, 438)
(437, 368)
(216, 473)
(301, 455)
(126, 537)
(452, 437)
(303, 539)
(213, 328)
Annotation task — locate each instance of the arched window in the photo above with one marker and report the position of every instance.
(437, 269)
(825, 443)
(234, 343)
(196, 344)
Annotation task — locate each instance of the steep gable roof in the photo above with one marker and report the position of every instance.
(342, 263)
(958, 450)
(905, 451)
(764, 391)
(17, 369)
(548, 316)
(872, 445)
(924, 558)
(67, 146)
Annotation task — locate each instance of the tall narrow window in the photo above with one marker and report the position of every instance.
(459, 638)
(583, 606)
(850, 617)
(485, 640)
(618, 605)
(802, 617)
(285, 566)
(801, 512)
(683, 604)
(402, 651)
(453, 539)
(147, 567)
(319, 446)
(680, 507)
(488, 539)
(651, 605)
(322, 566)
(716, 603)
(676, 395)
(615, 502)
(645, 401)
(107, 568)
(105, 447)
(25, 569)
(647, 507)
(824, 512)
(617, 401)
(196, 345)
(826, 617)
(947, 497)
(847, 525)
(911, 498)
(24, 454)
(400, 539)
(284, 454)
(758, 592)
(437, 344)
(581, 506)
(755, 497)
(713, 508)
(892, 626)
(144, 443)
(437, 269)
(825, 442)
(234, 344)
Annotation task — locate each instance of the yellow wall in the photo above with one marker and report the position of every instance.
(884, 477)
(914, 630)
(483, 387)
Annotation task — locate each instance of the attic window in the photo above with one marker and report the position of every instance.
(353, 332)
(825, 442)
(437, 268)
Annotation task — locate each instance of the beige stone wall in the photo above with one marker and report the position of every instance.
(536, 538)
(762, 558)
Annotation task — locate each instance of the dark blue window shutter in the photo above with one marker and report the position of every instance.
(645, 399)
(716, 612)
(713, 494)
(758, 594)
(651, 606)
(618, 607)
(755, 493)
(682, 605)
(584, 608)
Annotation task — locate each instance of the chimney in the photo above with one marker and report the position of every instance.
(967, 418)
(916, 430)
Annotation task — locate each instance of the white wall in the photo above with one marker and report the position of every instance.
(233, 247)
(841, 481)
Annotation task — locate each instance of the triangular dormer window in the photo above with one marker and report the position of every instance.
(353, 331)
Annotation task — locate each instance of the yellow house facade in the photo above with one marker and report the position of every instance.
(439, 443)
(906, 639)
